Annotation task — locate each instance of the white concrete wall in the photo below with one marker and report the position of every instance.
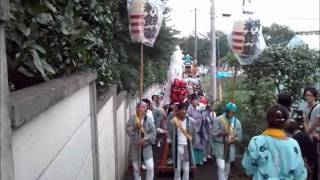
(121, 140)
(56, 145)
(107, 141)
(154, 89)
(127, 139)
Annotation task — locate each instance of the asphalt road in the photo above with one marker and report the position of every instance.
(207, 171)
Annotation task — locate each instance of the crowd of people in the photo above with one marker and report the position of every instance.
(286, 150)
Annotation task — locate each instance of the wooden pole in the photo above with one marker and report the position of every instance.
(234, 83)
(6, 158)
(141, 72)
(141, 96)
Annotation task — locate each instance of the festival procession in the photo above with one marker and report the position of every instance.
(160, 90)
(178, 132)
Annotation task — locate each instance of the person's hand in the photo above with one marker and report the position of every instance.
(316, 136)
(161, 131)
(138, 126)
(142, 142)
(231, 139)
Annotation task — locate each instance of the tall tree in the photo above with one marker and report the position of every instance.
(288, 69)
(277, 35)
(52, 38)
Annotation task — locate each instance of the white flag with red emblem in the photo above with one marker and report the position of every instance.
(246, 39)
(145, 19)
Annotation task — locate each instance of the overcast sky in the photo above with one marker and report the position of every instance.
(299, 15)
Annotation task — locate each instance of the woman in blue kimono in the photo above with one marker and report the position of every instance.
(273, 155)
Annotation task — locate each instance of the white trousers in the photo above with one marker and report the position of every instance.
(149, 166)
(181, 164)
(223, 169)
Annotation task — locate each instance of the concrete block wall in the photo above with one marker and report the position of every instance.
(107, 141)
(56, 144)
(121, 120)
(52, 135)
(68, 138)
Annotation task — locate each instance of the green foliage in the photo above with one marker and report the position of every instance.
(156, 59)
(52, 38)
(290, 69)
(277, 35)
(277, 69)
(230, 60)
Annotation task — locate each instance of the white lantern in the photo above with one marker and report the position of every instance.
(246, 39)
(136, 20)
(145, 18)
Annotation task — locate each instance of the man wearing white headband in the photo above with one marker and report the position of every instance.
(142, 132)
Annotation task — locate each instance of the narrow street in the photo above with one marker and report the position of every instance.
(90, 88)
(206, 172)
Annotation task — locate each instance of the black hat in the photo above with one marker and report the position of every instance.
(194, 97)
(181, 106)
(147, 101)
(285, 99)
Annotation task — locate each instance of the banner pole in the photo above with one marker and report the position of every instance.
(141, 96)
(234, 83)
(141, 72)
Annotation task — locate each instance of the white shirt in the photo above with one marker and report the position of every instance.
(182, 140)
(313, 116)
(150, 115)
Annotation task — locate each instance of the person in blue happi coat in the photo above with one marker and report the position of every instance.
(273, 155)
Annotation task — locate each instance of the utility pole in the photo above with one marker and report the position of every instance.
(187, 39)
(6, 158)
(213, 54)
(195, 36)
(219, 80)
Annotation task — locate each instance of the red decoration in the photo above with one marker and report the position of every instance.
(203, 101)
(178, 90)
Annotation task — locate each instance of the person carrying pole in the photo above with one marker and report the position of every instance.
(141, 124)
